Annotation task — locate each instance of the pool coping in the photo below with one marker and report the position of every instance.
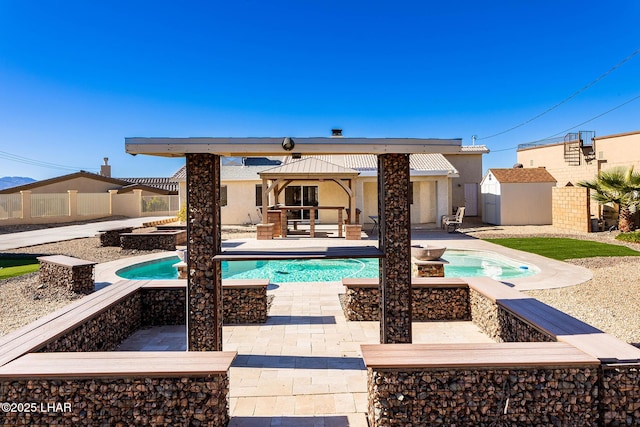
(553, 274)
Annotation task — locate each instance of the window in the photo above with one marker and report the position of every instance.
(259, 195)
(223, 195)
(411, 192)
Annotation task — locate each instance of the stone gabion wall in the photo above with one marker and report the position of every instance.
(112, 237)
(244, 305)
(204, 233)
(501, 325)
(470, 397)
(200, 401)
(77, 279)
(148, 242)
(395, 241)
(163, 306)
(513, 329)
(484, 314)
(441, 304)
(103, 332)
(427, 270)
(620, 395)
(429, 304)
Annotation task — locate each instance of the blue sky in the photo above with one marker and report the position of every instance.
(77, 77)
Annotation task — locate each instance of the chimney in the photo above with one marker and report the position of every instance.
(336, 133)
(105, 170)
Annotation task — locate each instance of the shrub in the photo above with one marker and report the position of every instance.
(633, 237)
(182, 213)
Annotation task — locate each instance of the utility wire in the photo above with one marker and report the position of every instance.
(554, 136)
(25, 160)
(612, 69)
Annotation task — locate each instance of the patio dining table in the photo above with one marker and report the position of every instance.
(312, 217)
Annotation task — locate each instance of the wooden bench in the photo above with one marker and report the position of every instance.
(118, 364)
(114, 388)
(473, 384)
(555, 324)
(68, 272)
(46, 329)
(470, 355)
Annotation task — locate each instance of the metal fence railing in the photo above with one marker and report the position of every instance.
(10, 206)
(56, 204)
(160, 204)
(94, 204)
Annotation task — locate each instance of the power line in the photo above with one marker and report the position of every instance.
(612, 69)
(33, 162)
(596, 117)
(554, 136)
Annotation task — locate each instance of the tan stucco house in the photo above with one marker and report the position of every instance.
(84, 195)
(438, 185)
(581, 156)
(517, 196)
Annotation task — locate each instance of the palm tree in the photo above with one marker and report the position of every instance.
(620, 186)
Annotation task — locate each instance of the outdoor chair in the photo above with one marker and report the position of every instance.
(452, 223)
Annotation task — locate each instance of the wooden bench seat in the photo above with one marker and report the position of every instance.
(493, 290)
(482, 355)
(416, 282)
(118, 364)
(46, 329)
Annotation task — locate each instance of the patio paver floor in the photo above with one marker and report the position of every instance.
(303, 367)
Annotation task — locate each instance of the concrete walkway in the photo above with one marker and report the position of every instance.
(68, 232)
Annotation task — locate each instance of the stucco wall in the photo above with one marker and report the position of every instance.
(241, 203)
(470, 171)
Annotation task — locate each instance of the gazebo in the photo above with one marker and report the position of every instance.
(204, 307)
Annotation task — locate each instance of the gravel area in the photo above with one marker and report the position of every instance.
(609, 301)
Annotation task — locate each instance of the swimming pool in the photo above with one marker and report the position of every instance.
(462, 263)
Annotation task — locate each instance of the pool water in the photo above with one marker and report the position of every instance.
(461, 264)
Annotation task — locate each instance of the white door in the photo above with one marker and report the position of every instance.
(471, 199)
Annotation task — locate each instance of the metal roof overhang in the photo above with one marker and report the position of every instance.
(178, 147)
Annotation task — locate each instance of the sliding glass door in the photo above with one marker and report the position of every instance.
(301, 195)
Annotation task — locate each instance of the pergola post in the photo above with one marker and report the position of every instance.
(394, 241)
(204, 286)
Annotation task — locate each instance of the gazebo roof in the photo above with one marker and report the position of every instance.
(310, 167)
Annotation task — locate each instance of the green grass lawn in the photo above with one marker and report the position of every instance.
(562, 248)
(11, 267)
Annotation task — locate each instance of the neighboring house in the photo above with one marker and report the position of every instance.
(84, 195)
(87, 182)
(517, 196)
(582, 155)
(438, 186)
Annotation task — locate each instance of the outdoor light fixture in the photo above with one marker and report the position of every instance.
(288, 144)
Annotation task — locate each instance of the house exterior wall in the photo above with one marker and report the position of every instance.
(470, 171)
(551, 157)
(526, 203)
(620, 150)
(241, 203)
